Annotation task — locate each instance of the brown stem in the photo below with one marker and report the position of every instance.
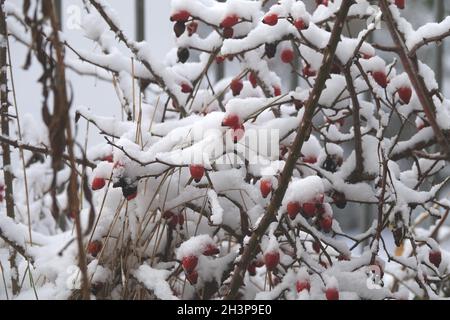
(302, 134)
(359, 168)
(411, 67)
(62, 103)
(7, 173)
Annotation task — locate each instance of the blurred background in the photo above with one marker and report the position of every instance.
(149, 20)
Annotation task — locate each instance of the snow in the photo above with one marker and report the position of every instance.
(174, 217)
(155, 280)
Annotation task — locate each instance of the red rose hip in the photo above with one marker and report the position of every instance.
(98, 183)
(265, 187)
(189, 263)
(197, 172)
(271, 260)
(271, 19)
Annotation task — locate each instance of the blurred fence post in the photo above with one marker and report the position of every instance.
(140, 20)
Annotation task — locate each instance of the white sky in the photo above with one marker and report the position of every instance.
(89, 92)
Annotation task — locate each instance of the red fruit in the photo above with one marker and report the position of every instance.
(326, 223)
(252, 268)
(211, 250)
(380, 78)
(309, 209)
(400, 4)
(231, 121)
(253, 79)
(174, 221)
(132, 196)
(300, 24)
(271, 19)
(293, 208)
(180, 219)
(303, 285)
(189, 263)
(316, 246)
(220, 59)
(298, 104)
(435, 257)
(197, 172)
(405, 94)
(287, 55)
(98, 183)
(229, 21)
(228, 33)
(192, 28)
(265, 187)
(310, 159)
(308, 72)
(341, 257)
(276, 91)
(323, 2)
(182, 16)
(186, 88)
(366, 56)
(271, 260)
(192, 277)
(108, 158)
(236, 86)
(94, 247)
(167, 215)
(332, 294)
(238, 133)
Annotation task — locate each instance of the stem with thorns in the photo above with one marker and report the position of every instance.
(302, 135)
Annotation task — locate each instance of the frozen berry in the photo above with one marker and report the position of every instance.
(211, 250)
(326, 223)
(303, 285)
(332, 294)
(236, 86)
(287, 55)
(271, 260)
(309, 209)
(400, 4)
(98, 183)
(179, 28)
(271, 19)
(231, 121)
(265, 187)
(180, 16)
(380, 78)
(189, 263)
(270, 50)
(308, 71)
(276, 91)
(435, 257)
(192, 28)
(94, 248)
(300, 24)
(229, 21)
(186, 88)
(253, 79)
(183, 54)
(228, 33)
(197, 172)
(293, 208)
(192, 277)
(405, 94)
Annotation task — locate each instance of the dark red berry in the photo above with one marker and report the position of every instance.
(271, 260)
(189, 263)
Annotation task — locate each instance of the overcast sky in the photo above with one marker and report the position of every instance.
(88, 91)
